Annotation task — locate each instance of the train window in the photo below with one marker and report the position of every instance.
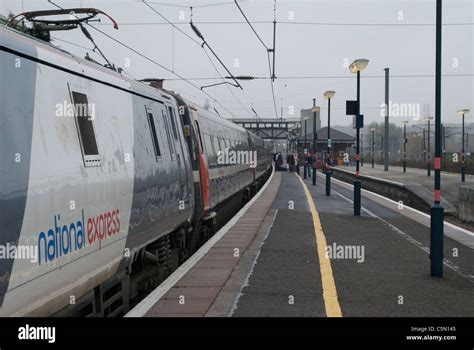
(84, 122)
(215, 141)
(209, 149)
(85, 129)
(198, 128)
(154, 137)
(221, 144)
(167, 129)
(173, 122)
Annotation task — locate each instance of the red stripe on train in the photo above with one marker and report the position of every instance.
(205, 183)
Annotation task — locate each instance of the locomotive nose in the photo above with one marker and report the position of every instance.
(17, 93)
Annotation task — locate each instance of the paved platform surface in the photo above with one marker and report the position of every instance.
(380, 265)
(193, 294)
(417, 180)
(392, 279)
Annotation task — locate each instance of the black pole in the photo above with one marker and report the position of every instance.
(437, 211)
(314, 142)
(463, 150)
(357, 179)
(429, 149)
(373, 147)
(304, 147)
(443, 153)
(328, 159)
(382, 145)
(298, 153)
(361, 149)
(274, 40)
(424, 146)
(385, 150)
(404, 147)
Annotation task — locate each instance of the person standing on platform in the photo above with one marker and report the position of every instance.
(290, 160)
(309, 163)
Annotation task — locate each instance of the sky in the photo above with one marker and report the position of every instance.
(315, 42)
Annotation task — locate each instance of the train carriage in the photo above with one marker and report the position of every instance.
(100, 176)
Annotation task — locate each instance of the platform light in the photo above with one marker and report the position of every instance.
(329, 94)
(463, 111)
(358, 65)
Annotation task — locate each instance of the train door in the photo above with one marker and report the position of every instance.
(172, 125)
(203, 166)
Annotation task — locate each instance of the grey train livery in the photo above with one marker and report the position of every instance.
(107, 184)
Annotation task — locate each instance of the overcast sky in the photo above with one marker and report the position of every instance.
(314, 39)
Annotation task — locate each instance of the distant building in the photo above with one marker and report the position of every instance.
(340, 143)
(309, 124)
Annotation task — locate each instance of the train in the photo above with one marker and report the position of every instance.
(107, 183)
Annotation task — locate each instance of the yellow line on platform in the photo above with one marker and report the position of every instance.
(331, 302)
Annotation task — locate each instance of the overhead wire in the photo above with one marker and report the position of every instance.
(393, 25)
(186, 6)
(346, 76)
(272, 77)
(199, 44)
(150, 60)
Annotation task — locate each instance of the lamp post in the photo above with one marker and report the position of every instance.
(304, 147)
(437, 210)
(405, 145)
(328, 95)
(429, 119)
(462, 112)
(382, 145)
(443, 146)
(356, 67)
(373, 146)
(387, 116)
(424, 146)
(315, 109)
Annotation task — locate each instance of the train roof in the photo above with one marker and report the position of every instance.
(24, 43)
(16, 41)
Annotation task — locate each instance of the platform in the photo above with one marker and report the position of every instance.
(418, 181)
(378, 266)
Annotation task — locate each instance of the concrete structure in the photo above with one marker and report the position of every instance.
(268, 128)
(416, 182)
